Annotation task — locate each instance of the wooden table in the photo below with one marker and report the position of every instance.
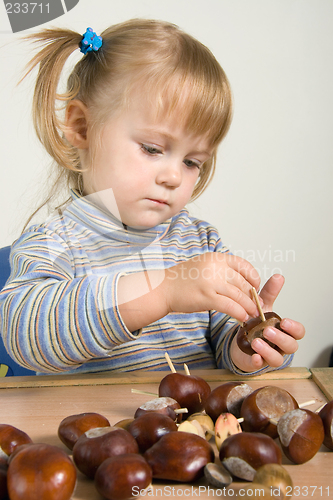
(38, 404)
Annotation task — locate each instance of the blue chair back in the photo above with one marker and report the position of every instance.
(8, 367)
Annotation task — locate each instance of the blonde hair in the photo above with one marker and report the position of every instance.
(177, 73)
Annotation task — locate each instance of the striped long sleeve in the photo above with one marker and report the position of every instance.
(59, 312)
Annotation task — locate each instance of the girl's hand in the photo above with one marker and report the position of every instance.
(212, 281)
(287, 341)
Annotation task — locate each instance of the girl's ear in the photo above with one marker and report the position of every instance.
(76, 124)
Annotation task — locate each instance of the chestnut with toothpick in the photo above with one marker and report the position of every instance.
(254, 328)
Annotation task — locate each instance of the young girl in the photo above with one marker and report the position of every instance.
(121, 273)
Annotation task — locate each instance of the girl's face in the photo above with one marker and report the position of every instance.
(151, 165)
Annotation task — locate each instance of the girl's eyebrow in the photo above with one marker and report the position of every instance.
(171, 137)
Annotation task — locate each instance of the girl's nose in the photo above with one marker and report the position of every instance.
(170, 175)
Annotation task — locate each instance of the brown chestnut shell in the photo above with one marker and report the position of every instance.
(254, 329)
(11, 438)
(96, 445)
(73, 426)
(149, 428)
(179, 456)
(190, 391)
(41, 471)
(326, 414)
(264, 404)
(163, 405)
(242, 454)
(122, 477)
(226, 398)
(301, 433)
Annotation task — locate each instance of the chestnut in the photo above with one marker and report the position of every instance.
(72, 427)
(263, 405)
(164, 405)
(226, 425)
(10, 438)
(226, 398)
(3, 482)
(124, 423)
(41, 471)
(254, 328)
(149, 428)
(193, 427)
(217, 475)
(275, 477)
(179, 456)
(96, 445)
(122, 477)
(301, 434)
(242, 454)
(206, 423)
(190, 391)
(326, 415)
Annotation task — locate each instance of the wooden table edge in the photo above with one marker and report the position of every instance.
(323, 377)
(142, 377)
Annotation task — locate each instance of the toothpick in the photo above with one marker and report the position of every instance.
(320, 408)
(307, 403)
(181, 410)
(256, 298)
(172, 368)
(137, 391)
(187, 371)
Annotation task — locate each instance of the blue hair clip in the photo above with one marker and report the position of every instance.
(90, 42)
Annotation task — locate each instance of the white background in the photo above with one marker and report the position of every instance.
(271, 198)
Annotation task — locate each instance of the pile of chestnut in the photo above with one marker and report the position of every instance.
(168, 438)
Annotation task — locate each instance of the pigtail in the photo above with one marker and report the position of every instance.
(59, 45)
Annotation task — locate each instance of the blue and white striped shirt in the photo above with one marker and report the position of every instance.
(59, 309)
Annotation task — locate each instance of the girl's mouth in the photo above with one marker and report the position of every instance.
(159, 202)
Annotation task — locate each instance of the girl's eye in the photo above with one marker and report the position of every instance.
(151, 150)
(191, 164)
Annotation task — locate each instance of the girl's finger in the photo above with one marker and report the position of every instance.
(293, 328)
(270, 355)
(285, 342)
(243, 267)
(238, 296)
(271, 290)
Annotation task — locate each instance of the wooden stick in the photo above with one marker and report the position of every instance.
(307, 403)
(181, 410)
(137, 391)
(256, 298)
(187, 371)
(320, 408)
(172, 368)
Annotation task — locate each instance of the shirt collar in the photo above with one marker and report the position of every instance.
(100, 220)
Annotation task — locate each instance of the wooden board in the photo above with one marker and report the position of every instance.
(324, 379)
(39, 410)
